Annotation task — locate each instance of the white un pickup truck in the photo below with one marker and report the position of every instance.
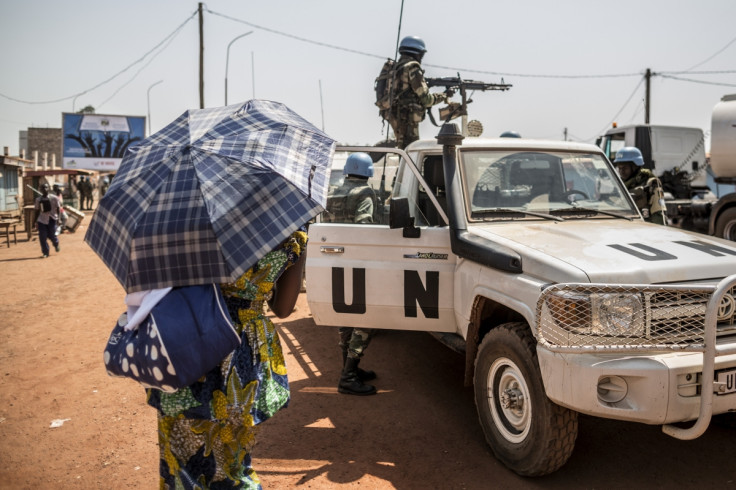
(532, 258)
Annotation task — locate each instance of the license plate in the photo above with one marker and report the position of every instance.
(728, 378)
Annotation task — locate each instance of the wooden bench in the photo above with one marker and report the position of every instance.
(8, 224)
(9, 220)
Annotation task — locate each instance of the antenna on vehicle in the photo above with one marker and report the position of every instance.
(398, 31)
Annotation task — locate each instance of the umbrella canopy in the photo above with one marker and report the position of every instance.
(211, 193)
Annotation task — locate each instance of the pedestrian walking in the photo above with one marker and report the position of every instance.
(48, 207)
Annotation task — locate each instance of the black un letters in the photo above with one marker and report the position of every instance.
(415, 293)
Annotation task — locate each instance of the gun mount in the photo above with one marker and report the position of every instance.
(458, 84)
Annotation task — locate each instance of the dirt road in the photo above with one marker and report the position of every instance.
(420, 431)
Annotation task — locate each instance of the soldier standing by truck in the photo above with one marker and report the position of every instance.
(409, 94)
(354, 202)
(643, 186)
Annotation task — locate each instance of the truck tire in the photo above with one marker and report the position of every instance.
(526, 431)
(726, 224)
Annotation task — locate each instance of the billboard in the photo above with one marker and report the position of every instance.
(99, 141)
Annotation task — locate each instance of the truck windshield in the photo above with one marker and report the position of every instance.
(541, 182)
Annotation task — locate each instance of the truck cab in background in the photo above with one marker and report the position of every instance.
(699, 192)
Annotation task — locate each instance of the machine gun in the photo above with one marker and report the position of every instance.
(457, 84)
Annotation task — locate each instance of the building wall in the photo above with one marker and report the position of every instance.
(10, 183)
(45, 140)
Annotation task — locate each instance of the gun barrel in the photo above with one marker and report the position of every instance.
(473, 85)
(457, 83)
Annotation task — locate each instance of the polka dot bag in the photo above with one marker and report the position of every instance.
(183, 337)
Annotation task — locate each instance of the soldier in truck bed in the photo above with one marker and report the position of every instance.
(411, 93)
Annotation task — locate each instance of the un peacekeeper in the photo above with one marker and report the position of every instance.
(412, 94)
(354, 201)
(642, 184)
(358, 200)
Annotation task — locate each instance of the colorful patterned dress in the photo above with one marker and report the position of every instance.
(207, 430)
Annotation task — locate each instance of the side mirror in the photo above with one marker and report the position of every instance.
(399, 217)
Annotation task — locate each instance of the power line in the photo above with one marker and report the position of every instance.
(382, 57)
(170, 40)
(713, 55)
(167, 40)
(170, 37)
(692, 80)
(443, 67)
(298, 38)
(712, 72)
(619, 111)
(139, 60)
(637, 110)
(488, 72)
(528, 75)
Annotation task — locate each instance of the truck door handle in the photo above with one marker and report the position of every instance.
(332, 250)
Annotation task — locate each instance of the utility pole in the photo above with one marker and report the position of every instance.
(648, 77)
(201, 57)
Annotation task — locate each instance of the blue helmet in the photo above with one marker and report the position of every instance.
(510, 134)
(629, 154)
(359, 164)
(412, 45)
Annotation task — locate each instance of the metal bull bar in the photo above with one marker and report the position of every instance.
(710, 350)
(693, 309)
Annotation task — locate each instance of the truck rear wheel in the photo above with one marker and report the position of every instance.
(726, 224)
(526, 431)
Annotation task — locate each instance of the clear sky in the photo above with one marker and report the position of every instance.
(575, 64)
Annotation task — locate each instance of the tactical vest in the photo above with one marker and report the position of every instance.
(341, 206)
(646, 191)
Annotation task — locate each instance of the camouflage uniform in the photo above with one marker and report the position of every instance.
(353, 341)
(647, 193)
(352, 202)
(412, 98)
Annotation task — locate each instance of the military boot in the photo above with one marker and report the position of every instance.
(349, 383)
(363, 375)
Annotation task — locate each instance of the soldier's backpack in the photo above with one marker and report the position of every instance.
(383, 88)
(341, 207)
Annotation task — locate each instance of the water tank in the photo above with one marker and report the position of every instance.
(723, 138)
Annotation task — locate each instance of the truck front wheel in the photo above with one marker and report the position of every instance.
(726, 224)
(526, 431)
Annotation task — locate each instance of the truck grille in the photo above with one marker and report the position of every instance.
(623, 317)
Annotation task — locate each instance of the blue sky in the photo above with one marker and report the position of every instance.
(320, 58)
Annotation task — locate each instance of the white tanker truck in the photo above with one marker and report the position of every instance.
(694, 187)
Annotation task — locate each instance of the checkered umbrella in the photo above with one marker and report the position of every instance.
(207, 196)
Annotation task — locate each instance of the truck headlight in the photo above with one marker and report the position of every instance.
(605, 314)
(618, 314)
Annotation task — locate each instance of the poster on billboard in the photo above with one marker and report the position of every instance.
(99, 141)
